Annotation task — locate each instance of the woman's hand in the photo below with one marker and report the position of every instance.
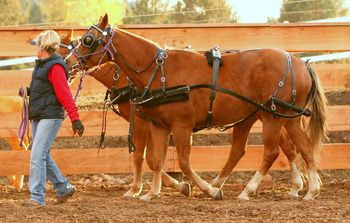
(78, 127)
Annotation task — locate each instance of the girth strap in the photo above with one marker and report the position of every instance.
(214, 76)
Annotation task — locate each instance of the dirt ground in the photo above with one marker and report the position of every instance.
(103, 202)
(100, 200)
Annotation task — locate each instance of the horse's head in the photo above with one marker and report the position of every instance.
(67, 44)
(93, 48)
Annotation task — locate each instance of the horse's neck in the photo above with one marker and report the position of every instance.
(135, 52)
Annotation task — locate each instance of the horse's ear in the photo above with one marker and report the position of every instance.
(104, 22)
(70, 35)
(66, 38)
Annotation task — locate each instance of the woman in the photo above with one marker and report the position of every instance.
(49, 98)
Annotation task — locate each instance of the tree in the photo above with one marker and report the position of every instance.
(11, 12)
(146, 12)
(297, 11)
(35, 14)
(184, 11)
(88, 12)
(203, 11)
(54, 10)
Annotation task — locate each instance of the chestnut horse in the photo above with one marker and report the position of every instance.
(255, 74)
(105, 75)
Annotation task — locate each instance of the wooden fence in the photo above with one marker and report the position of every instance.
(291, 37)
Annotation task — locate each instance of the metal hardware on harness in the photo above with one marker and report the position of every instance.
(214, 76)
(289, 68)
(300, 111)
(161, 55)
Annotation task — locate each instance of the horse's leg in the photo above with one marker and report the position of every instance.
(141, 132)
(182, 187)
(181, 136)
(239, 140)
(167, 180)
(304, 146)
(271, 137)
(159, 137)
(290, 151)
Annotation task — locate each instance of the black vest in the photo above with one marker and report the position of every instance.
(43, 103)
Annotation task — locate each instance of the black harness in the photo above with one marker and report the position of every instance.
(180, 93)
(214, 58)
(165, 95)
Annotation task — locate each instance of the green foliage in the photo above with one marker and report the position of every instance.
(54, 10)
(35, 14)
(70, 12)
(203, 11)
(184, 11)
(297, 11)
(11, 12)
(146, 12)
(88, 12)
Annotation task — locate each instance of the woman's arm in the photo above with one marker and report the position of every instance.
(57, 77)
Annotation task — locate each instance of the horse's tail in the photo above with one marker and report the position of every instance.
(317, 127)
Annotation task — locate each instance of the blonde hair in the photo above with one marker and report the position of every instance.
(49, 41)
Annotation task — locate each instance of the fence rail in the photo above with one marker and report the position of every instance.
(339, 120)
(203, 158)
(302, 37)
(332, 76)
(292, 37)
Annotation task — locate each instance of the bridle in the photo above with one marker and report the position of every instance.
(91, 42)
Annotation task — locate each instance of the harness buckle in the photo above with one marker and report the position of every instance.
(280, 84)
(159, 61)
(216, 52)
(273, 107)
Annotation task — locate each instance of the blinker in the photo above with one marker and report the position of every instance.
(88, 40)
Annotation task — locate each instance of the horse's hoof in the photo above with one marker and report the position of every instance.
(132, 194)
(293, 194)
(186, 189)
(219, 195)
(243, 197)
(308, 198)
(311, 195)
(148, 197)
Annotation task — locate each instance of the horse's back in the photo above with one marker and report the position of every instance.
(257, 73)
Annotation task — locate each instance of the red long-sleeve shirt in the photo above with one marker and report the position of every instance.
(57, 77)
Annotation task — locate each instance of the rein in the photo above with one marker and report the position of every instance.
(23, 130)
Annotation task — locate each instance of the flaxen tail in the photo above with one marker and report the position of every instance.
(317, 127)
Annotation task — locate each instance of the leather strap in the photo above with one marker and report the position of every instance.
(214, 76)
